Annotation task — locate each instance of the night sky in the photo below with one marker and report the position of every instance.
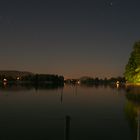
(73, 38)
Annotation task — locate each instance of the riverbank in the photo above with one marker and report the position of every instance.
(132, 84)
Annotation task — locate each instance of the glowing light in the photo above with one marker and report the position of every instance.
(4, 83)
(117, 84)
(78, 82)
(4, 80)
(18, 78)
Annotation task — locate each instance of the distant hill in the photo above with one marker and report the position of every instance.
(14, 74)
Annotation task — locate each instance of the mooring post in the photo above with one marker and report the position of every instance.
(138, 126)
(67, 127)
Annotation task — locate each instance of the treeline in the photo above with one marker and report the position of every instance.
(96, 81)
(103, 81)
(112, 80)
(34, 78)
(44, 78)
(132, 69)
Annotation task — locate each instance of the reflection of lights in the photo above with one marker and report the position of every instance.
(117, 85)
(4, 83)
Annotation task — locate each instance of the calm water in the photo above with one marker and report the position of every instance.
(69, 113)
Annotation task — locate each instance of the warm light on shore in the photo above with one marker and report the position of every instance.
(18, 78)
(117, 84)
(4, 80)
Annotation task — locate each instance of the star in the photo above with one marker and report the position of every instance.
(111, 4)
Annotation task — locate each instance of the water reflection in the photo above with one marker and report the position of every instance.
(67, 127)
(132, 109)
(71, 112)
(29, 86)
(61, 96)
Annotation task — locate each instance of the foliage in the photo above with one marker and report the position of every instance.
(132, 69)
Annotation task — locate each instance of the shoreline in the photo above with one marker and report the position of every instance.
(132, 84)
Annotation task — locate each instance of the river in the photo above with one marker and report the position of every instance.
(68, 113)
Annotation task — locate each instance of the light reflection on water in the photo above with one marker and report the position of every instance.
(69, 113)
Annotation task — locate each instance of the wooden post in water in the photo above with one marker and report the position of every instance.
(67, 128)
(138, 126)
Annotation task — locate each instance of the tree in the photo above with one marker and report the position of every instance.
(132, 69)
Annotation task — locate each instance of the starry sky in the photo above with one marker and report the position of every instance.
(73, 38)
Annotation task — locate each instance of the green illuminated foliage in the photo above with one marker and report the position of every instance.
(132, 69)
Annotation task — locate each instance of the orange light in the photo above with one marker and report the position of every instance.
(18, 78)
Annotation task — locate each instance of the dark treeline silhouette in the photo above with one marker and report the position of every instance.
(43, 81)
(44, 78)
(36, 81)
(34, 78)
(9, 78)
(96, 81)
(102, 81)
